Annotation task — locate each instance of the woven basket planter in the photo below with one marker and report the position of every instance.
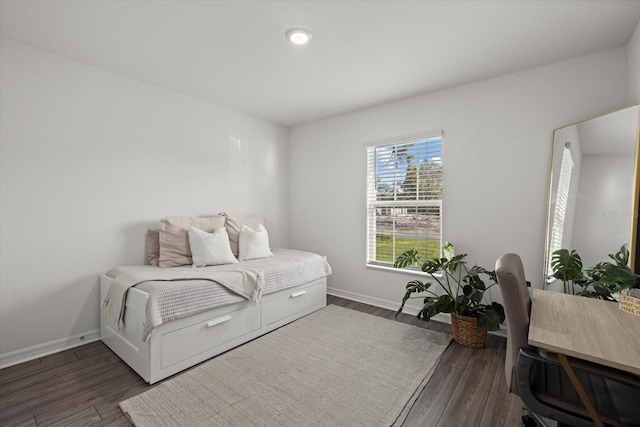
(466, 331)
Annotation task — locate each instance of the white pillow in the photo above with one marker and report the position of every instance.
(210, 249)
(253, 243)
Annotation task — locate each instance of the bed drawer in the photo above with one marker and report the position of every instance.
(292, 301)
(189, 341)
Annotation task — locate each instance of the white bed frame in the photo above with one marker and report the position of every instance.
(180, 344)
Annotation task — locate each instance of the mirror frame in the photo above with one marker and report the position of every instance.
(634, 260)
(634, 255)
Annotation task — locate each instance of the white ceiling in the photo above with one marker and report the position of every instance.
(363, 53)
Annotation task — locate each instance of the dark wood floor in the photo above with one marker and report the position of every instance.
(83, 386)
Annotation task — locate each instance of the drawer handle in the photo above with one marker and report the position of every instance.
(298, 294)
(217, 321)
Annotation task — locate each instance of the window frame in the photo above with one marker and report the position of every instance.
(372, 202)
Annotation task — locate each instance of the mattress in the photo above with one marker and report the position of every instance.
(171, 300)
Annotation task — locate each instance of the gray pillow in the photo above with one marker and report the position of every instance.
(153, 247)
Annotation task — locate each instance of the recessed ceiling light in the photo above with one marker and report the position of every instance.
(298, 36)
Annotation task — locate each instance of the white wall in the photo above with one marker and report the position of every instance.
(497, 159)
(89, 160)
(633, 74)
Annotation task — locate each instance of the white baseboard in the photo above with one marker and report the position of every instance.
(394, 305)
(383, 303)
(41, 350)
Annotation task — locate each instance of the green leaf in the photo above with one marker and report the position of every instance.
(454, 263)
(492, 275)
(407, 295)
(621, 257)
(566, 265)
(598, 271)
(602, 292)
(429, 310)
(445, 304)
(476, 282)
(414, 286)
(490, 321)
(472, 295)
(500, 310)
(467, 290)
(406, 259)
(447, 250)
(434, 266)
(417, 286)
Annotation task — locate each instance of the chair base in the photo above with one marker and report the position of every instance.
(529, 421)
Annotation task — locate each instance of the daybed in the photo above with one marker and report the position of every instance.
(172, 324)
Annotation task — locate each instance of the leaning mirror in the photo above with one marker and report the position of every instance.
(593, 195)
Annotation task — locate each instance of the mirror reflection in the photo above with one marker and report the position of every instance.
(592, 203)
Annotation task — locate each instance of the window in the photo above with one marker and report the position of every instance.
(562, 199)
(404, 198)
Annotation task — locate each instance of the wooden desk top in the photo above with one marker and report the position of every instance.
(585, 328)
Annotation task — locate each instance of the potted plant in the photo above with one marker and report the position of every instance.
(463, 288)
(601, 281)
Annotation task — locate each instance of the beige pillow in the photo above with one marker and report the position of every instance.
(153, 247)
(174, 239)
(234, 225)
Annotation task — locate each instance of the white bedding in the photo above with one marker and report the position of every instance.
(177, 299)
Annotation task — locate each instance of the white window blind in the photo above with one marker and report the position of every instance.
(562, 199)
(404, 198)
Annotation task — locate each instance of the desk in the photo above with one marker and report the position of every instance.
(585, 328)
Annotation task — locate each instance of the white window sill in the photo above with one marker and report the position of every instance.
(402, 270)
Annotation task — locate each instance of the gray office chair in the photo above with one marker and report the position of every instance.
(538, 377)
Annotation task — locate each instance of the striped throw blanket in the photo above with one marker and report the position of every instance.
(247, 283)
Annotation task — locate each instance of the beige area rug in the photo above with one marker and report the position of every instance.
(334, 367)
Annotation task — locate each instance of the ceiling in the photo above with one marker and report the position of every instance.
(362, 54)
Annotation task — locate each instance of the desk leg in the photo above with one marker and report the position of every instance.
(583, 395)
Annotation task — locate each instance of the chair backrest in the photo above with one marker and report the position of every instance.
(517, 304)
